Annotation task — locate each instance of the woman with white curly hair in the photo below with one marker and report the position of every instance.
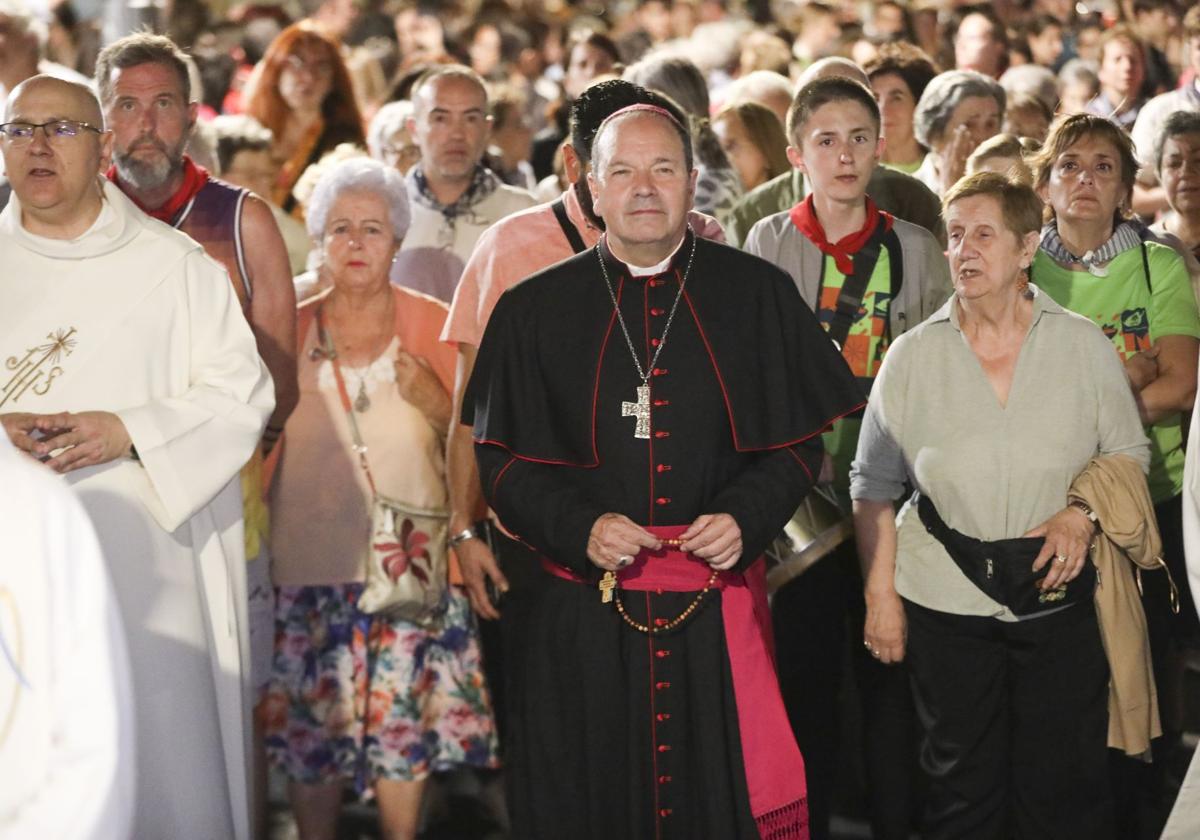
(357, 697)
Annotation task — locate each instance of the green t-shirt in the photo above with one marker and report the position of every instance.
(863, 350)
(1133, 317)
(906, 168)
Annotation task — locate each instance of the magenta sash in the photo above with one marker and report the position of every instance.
(773, 764)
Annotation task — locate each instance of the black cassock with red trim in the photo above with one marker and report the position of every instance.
(614, 733)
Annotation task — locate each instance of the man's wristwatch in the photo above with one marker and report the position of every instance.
(1083, 507)
(462, 536)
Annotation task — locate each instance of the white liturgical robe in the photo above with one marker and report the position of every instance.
(66, 714)
(133, 318)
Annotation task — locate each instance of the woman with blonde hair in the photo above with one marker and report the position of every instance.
(1095, 260)
(754, 141)
(1006, 154)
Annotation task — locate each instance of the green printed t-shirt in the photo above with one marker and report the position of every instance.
(1132, 317)
(863, 350)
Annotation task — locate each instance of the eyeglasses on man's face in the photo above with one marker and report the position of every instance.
(55, 131)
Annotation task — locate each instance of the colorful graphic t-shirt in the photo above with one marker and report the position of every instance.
(863, 350)
(1133, 318)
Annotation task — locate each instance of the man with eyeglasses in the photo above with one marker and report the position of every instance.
(144, 88)
(454, 198)
(131, 371)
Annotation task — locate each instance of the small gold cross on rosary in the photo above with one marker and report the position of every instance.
(607, 584)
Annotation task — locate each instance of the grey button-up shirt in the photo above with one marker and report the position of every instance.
(993, 472)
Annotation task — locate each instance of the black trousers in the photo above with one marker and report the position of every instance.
(1016, 722)
(1144, 794)
(499, 639)
(815, 617)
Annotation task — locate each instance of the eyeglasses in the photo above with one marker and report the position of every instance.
(318, 67)
(409, 153)
(21, 133)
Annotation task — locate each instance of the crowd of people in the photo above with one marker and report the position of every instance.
(440, 384)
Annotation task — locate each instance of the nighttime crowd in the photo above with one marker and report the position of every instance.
(689, 419)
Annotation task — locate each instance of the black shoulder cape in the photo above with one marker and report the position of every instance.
(534, 386)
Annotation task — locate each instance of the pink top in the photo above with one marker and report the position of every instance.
(517, 247)
(320, 499)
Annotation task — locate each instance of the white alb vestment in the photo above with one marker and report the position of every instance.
(1184, 822)
(133, 318)
(66, 706)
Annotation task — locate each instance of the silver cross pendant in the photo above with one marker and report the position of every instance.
(640, 410)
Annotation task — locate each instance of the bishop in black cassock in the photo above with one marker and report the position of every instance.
(630, 723)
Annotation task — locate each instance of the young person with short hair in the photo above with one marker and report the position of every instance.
(868, 276)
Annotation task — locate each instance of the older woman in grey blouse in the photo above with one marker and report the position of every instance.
(990, 408)
(958, 110)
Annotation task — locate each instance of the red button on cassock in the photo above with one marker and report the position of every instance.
(664, 812)
(661, 685)
(654, 342)
(662, 434)
(663, 500)
(662, 402)
(662, 654)
(655, 283)
(662, 716)
(662, 780)
(664, 747)
(663, 468)
(661, 622)
(654, 310)
(660, 372)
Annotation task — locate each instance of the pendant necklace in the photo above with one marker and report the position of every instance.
(362, 402)
(641, 408)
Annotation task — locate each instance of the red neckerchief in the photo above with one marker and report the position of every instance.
(804, 217)
(194, 178)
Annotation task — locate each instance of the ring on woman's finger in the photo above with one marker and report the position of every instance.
(875, 652)
(867, 645)
(1060, 558)
(624, 560)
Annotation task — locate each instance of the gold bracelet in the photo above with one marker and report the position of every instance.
(673, 623)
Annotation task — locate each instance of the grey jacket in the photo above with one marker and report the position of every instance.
(925, 270)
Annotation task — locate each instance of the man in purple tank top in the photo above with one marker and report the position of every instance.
(144, 90)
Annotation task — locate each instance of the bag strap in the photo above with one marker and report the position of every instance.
(854, 289)
(326, 340)
(1146, 268)
(569, 230)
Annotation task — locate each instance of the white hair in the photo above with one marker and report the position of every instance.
(1032, 80)
(388, 120)
(359, 174)
(943, 94)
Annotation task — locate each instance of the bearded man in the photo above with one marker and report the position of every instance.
(145, 90)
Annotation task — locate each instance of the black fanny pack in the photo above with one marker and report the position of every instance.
(1002, 569)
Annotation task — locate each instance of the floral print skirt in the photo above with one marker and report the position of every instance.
(357, 697)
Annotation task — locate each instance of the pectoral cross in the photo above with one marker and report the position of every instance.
(640, 410)
(607, 584)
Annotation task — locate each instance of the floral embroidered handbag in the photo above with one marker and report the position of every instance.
(408, 562)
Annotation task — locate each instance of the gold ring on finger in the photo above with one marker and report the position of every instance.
(1060, 558)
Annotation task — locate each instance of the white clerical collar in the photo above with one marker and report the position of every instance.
(104, 217)
(647, 271)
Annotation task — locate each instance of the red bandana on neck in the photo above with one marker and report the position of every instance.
(194, 178)
(804, 217)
